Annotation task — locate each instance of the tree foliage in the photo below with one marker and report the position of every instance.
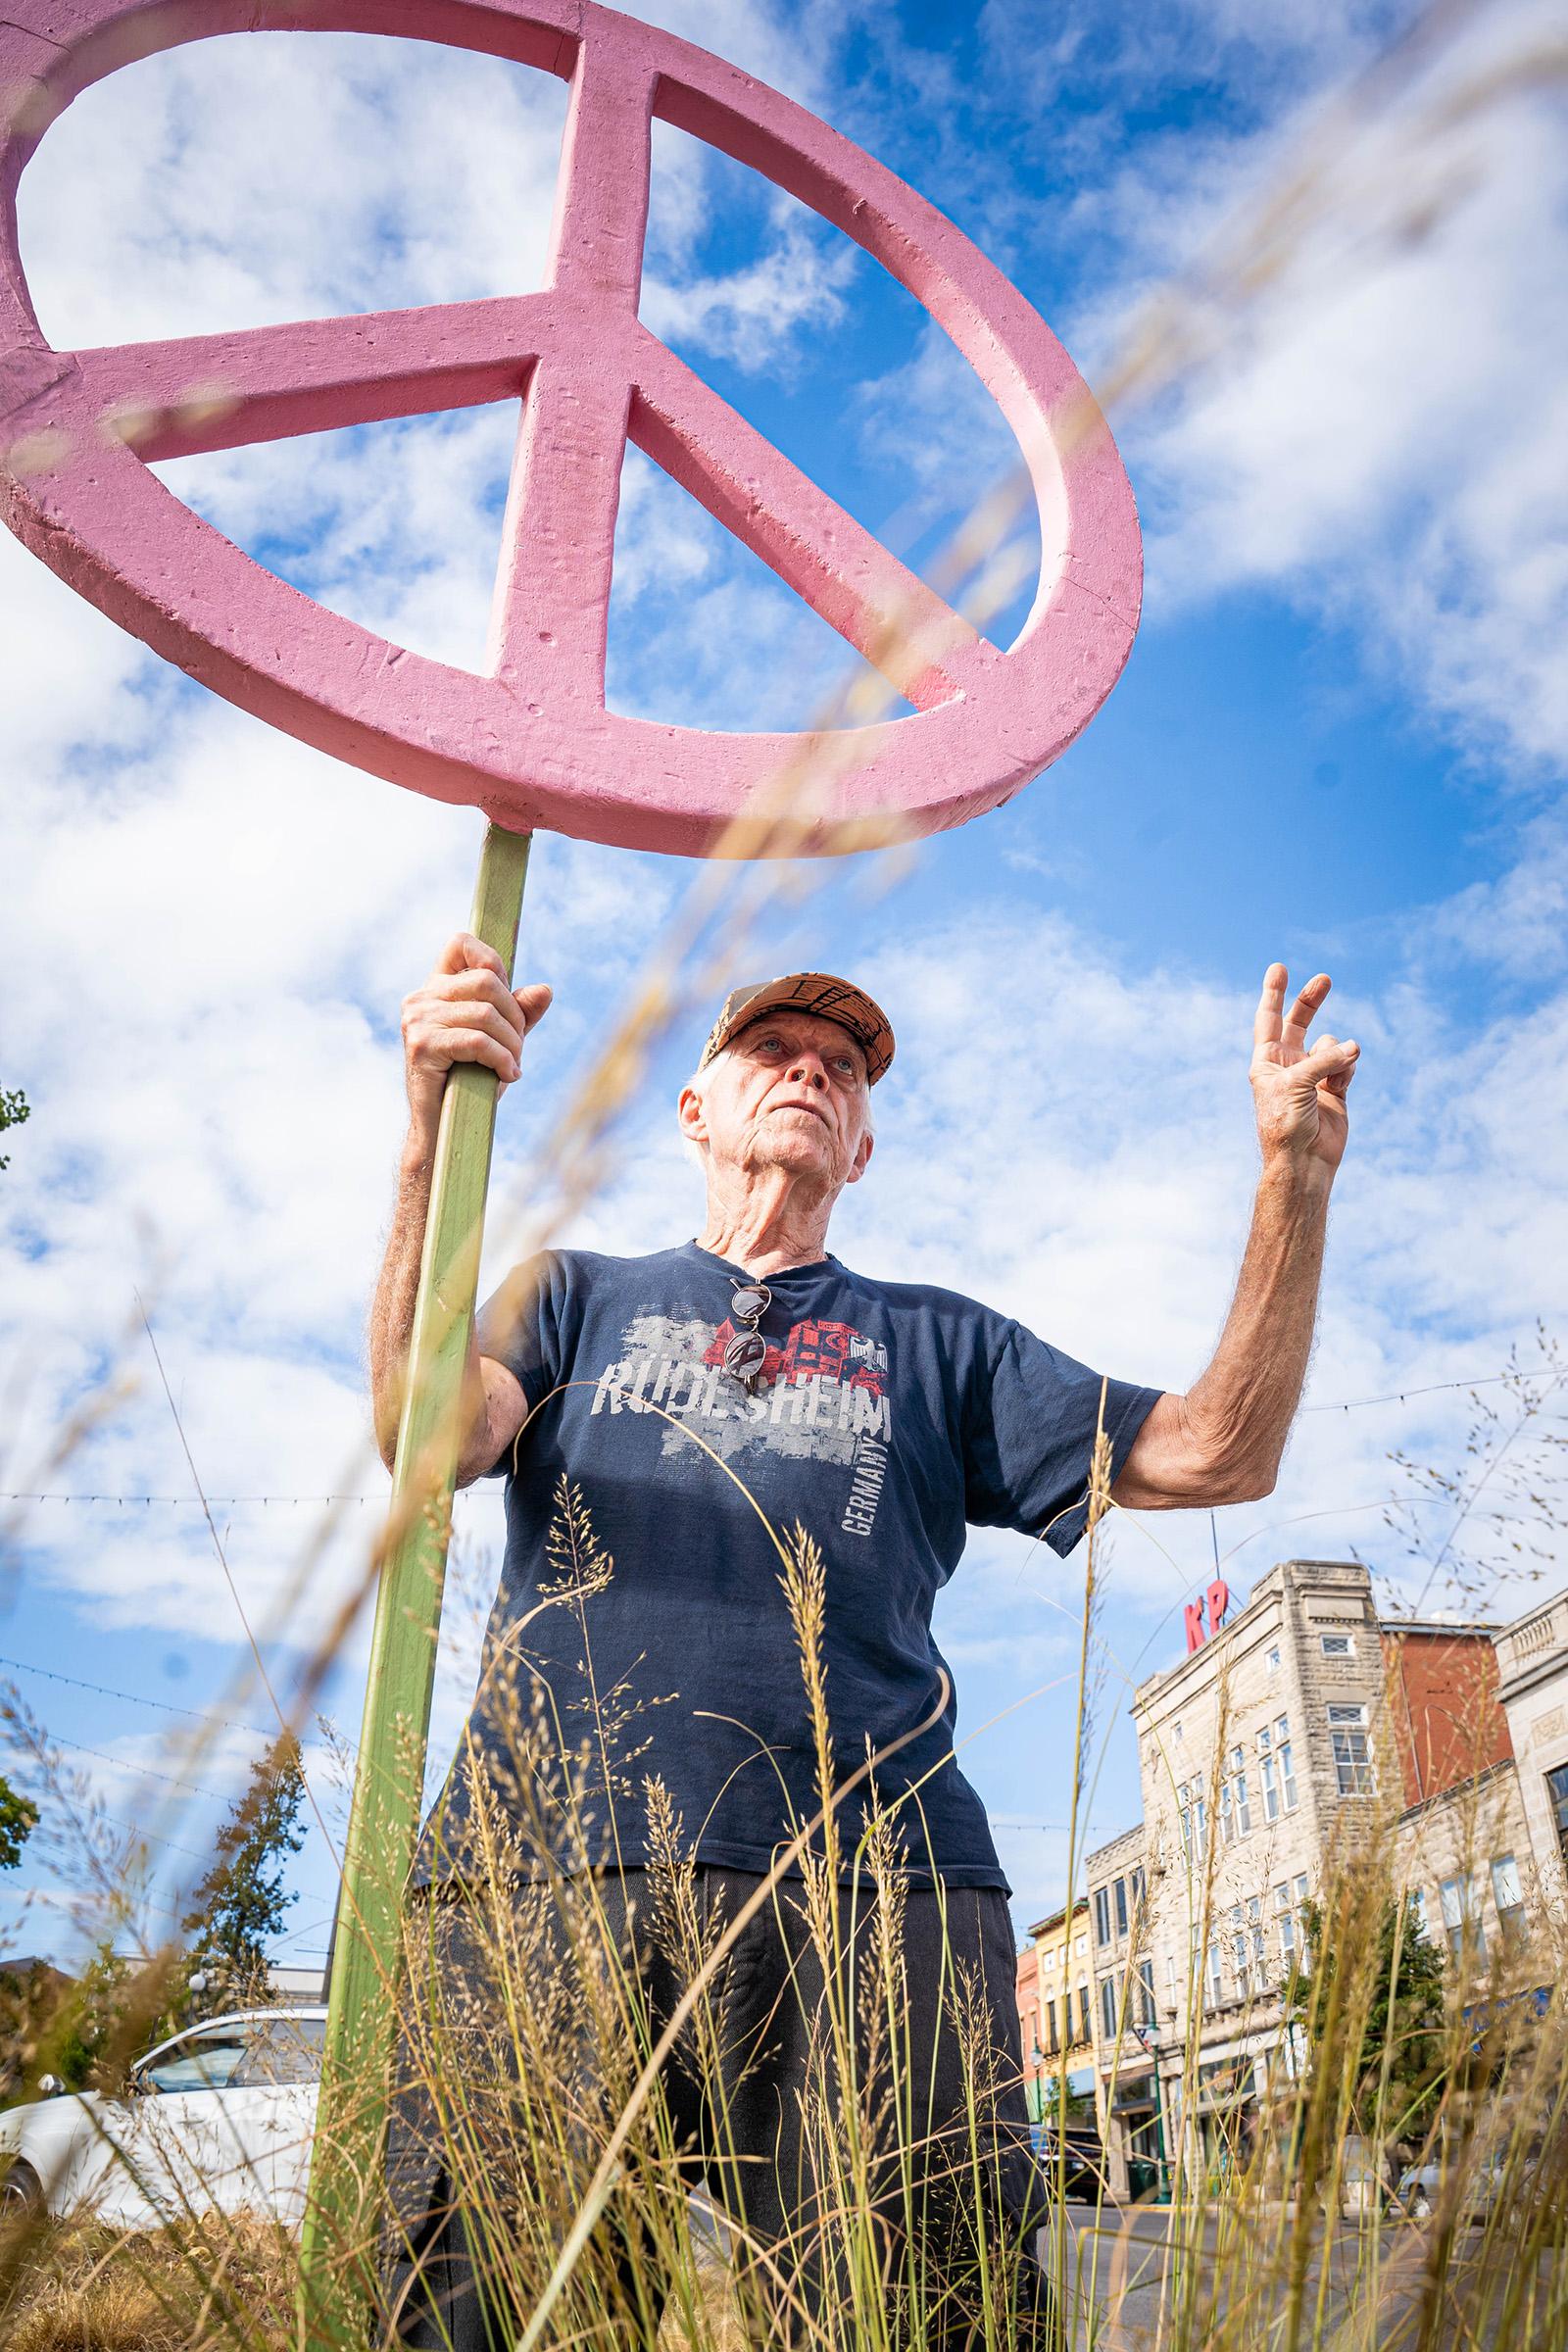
(241, 1904)
(14, 1108)
(19, 1817)
(88, 2050)
(1372, 2002)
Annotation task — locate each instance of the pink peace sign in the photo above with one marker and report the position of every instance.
(531, 741)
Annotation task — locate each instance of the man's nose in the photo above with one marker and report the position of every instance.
(809, 1072)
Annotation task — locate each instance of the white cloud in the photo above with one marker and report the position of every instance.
(1380, 435)
(266, 176)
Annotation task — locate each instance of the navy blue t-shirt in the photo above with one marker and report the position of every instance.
(888, 1416)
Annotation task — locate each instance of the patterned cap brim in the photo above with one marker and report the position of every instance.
(821, 994)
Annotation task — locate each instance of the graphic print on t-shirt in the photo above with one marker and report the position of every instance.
(824, 1396)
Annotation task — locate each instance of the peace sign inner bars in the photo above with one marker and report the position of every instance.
(532, 742)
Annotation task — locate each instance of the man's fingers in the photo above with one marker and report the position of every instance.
(1308, 1005)
(472, 982)
(466, 1013)
(476, 1045)
(1268, 1020)
(431, 1022)
(464, 953)
(497, 1021)
(533, 1002)
(1330, 1058)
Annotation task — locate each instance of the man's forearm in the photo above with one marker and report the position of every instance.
(1239, 1413)
(396, 1292)
(1224, 1440)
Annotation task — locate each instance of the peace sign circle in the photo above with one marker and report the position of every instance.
(531, 741)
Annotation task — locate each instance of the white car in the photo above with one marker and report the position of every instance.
(221, 2115)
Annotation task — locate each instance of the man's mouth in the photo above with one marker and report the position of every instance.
(809, 1109)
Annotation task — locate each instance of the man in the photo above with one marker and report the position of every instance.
(700, 1403)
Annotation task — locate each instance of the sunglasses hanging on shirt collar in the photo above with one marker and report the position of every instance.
(747, 1352)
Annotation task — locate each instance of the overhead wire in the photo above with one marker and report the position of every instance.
(145, 1772)
(194, 1501)
(134, 1698)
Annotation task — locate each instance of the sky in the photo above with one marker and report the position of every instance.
(1339, 741)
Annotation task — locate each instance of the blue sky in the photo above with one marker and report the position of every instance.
(1340, 740)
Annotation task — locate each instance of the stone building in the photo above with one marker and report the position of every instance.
(1533, 1694)
(1056, 2013)
(1126, 2085)
(1257, 1764)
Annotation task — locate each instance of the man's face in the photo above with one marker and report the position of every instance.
(789, 1093)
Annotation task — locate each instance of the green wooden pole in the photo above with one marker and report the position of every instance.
(338, 2252)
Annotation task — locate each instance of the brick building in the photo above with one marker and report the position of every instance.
(1461, 1846)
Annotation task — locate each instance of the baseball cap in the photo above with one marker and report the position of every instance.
(823, 993)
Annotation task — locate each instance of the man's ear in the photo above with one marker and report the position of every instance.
(862, 1157)
(691, 1115)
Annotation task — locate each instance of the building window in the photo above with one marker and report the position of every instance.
(1108, 2007)
(1274, 1659)
(1337, 1646)
(1102, 1915)
(1085, 2029)
(1285, 1923)
(1081, 1945)
(1288, 1926)
(1146, 1992)
(1237, 1782)
(1557, 1793)
(1276, 1768)
(1171, 1982)
(1136, 1886)
(1353, 1756)
(1240, 1954)
(1216, 1974)
(1121, 1907)
(1418, 1907)
(1254, 1927)
(1195, 1819)
(1050, 2029)
(1509, 1897)
(1462, 1920)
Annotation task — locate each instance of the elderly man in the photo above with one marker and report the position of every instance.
(749, 1372)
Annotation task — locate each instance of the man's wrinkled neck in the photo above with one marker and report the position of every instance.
(767, 1221)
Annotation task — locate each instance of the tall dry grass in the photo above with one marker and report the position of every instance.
(544, 2075)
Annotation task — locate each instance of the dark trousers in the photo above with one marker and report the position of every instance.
(747, 2099)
